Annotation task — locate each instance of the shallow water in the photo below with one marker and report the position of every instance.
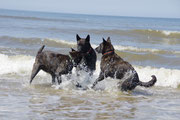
(151, 45)
(21, 101)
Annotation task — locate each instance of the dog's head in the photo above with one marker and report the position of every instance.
(83, 44)
(105, 46)
(76, 56)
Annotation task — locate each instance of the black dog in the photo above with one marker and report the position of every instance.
(89, 59)
(114, 66)
(55, 64)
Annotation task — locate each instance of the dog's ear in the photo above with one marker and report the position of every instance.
(88, 38)
(109, 40)
(104, 41)
(77, 37)
(71, 53)
(72, 49)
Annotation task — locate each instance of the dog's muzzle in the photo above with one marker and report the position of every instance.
(97, 49)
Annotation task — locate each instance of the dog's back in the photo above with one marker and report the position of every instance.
(50, 60)
(114, 66)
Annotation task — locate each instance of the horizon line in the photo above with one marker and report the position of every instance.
(42, 11)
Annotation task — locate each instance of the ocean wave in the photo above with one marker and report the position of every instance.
(149, 50)
(21, 65)
(34, 41)
(160, 33)
(68, 44)
(165, 77)
(60, 42)
(146, 32)
(16, 64)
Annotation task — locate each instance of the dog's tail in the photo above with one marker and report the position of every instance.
(35, 70)
(36, 66)
(148, 84)
(40, 49)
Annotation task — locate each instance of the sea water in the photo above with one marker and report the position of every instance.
(151, 45)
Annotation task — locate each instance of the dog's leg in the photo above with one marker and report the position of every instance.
(77, 70)
(100, 78)
(53, 79)
(127, 85)
(69, 75)
(58, 74)
(78, 85)
(130, 83)
(77, 74)
(35, 70)
(59, 79)
(91, 72)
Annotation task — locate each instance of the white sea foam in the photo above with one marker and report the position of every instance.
(149, 50)
(63, 42)
(18, 64)
(165, 32)
(121, 47)
(160, 32)
(21, 65)
(131, 48)
(165, 77)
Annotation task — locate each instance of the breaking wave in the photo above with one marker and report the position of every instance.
(146, 32)
(163, 33)
(21, 65)
(149, 50)
(34, 41)
(67, 44)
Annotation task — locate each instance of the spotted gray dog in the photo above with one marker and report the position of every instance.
(114, 66)
(55, 64)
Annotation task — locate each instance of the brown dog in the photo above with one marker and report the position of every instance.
(55, 64)
(114, 66)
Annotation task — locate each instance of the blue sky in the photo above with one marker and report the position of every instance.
(141, 8)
